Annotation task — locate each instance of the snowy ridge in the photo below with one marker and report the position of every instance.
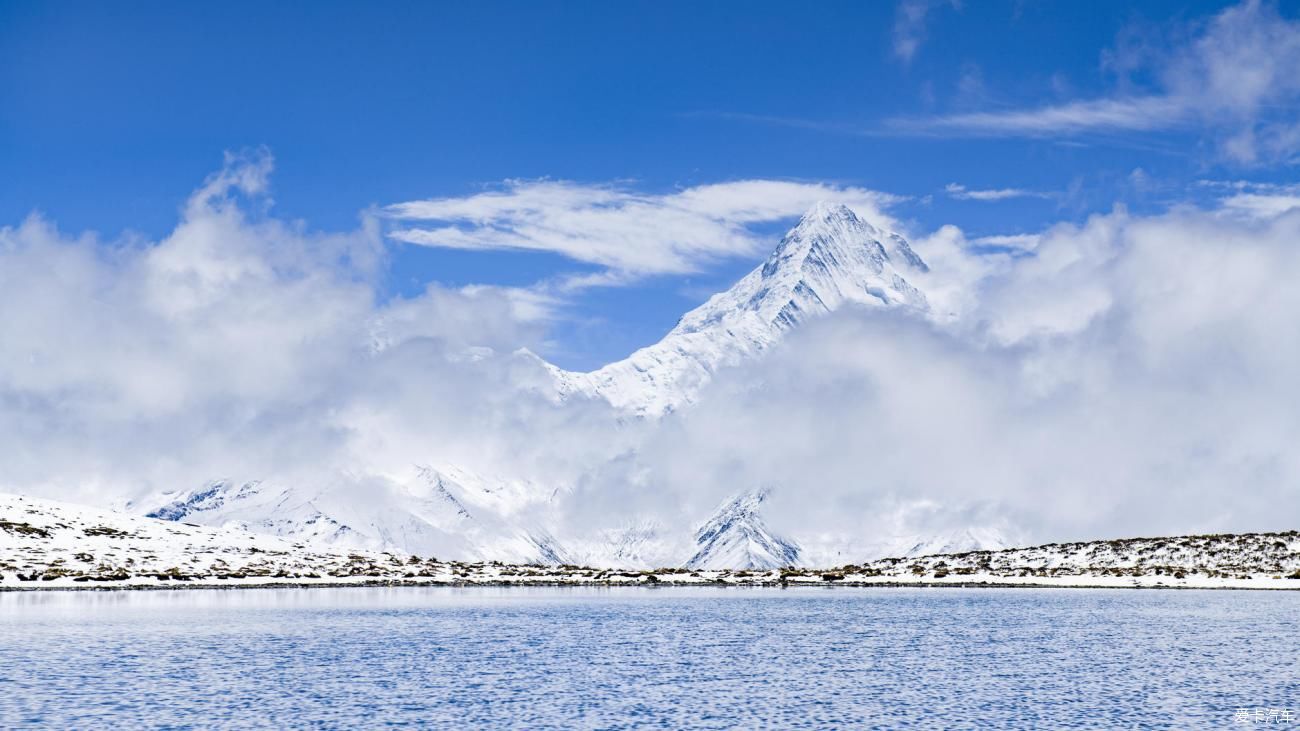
(635, 544)
(428, 511)
(1222, 556)
(63, 543)
(736, 538)
(52, 545)
(830, 259)
(253, 506)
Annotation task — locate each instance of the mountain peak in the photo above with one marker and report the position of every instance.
(828, 212)
(832, 258)
(829, 237)
(736, 536)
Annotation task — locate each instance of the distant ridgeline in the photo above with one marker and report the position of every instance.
(46, 544)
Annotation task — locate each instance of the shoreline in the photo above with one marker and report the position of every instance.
(992, 582)
(47, 546)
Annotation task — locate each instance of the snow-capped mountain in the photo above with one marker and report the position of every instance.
(736, 537)
(256, 507)
(438, 512)
(831, 258)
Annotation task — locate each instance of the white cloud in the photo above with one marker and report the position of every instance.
(1257, 205)
(1009, 242)
(1135, 375)
(909, 26)
(1235, 81)
(1253, 200)
(1129, 375)
(1141, 113)
(628, 233)
(961, 192)
(243, 346)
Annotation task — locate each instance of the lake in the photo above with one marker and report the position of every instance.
(646, 658)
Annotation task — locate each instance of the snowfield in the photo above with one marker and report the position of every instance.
(51, 545)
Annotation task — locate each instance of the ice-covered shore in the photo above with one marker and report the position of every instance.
(52, 545)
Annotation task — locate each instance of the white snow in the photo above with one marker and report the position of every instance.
(51, 545)
(736, 537)
(442, 511)
(830, 259)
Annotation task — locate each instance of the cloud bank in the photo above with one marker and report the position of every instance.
(1128, 375)
(247, 347)
(1133, 376)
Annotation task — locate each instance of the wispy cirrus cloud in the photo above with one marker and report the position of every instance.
(1234, 82)
(628, 233)
(1253, 200)
(910, 19)
(961, 192)
(1140, 113)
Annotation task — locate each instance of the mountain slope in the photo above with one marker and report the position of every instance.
(830, 259)
(736, 538)
(53, 545)
(444, 512)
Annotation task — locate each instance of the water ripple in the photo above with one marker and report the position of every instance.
(645, 658)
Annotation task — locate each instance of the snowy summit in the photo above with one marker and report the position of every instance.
(830, 259)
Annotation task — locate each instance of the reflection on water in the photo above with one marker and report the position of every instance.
(658, 658)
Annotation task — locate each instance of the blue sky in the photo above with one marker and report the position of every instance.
(111, 114)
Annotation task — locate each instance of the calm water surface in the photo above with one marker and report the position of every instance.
(646, 658)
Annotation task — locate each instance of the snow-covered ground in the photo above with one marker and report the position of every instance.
(52, 545)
